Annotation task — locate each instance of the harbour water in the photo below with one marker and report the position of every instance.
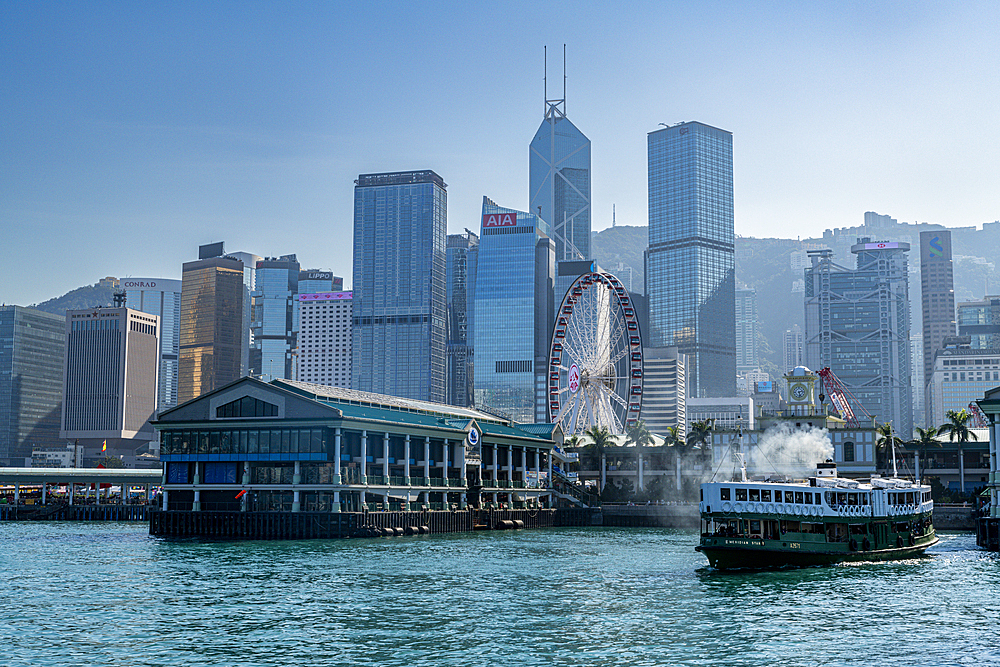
(109, 594)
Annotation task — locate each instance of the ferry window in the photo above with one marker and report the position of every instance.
(724, 493)
(755, 526)
(741, 494)
(852, 499)
(842, 498)
(828, 496)
(863, 498)
(909, 498)
(798, 497)
(755, 495)
(765, 496)
(789, 497)
(809, 498)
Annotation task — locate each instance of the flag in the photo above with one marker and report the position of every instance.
(240, 494)
(105, 447)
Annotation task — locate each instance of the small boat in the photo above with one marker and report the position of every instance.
(824, 520)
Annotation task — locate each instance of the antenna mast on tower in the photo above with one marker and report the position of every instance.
(554, 109)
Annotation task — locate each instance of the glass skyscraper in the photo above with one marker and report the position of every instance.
(398, 332)
(858, 325)
(32, 350)
(275, 319)
(559, 182)
(513, 313)
(158, 296)
(463, 255)
(691, 260)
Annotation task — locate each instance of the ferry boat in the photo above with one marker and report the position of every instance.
(824, 520)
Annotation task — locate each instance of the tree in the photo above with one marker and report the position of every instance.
(957, 428)
(884, 441)
(699, 437)
(639, 435)
(926, 437)
(600, 440)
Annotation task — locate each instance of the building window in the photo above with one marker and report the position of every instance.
(848, 452)
(247, 407)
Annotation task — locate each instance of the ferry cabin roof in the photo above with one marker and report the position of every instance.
(830, 500)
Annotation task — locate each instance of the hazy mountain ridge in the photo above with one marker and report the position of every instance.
(88, 296)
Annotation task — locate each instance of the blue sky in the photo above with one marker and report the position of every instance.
(133, 132)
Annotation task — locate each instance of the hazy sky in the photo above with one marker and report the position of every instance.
(132, 132)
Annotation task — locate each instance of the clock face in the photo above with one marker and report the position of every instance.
(799, 392)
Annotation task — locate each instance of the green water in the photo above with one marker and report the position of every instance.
(108, 594)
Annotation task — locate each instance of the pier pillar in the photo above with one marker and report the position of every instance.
(364, 458)
(538, 469)
(336, 458)
(427, 459)
(639, 467)
(385, 457)
(45, 488)
(197, 473)
(406, 465)
(196, 505)
(246, 473)
(460, 464)
(444, 461)
(72, 489)
(17, 494)
(496, 469)
(163, 495)
(510, 463)
(335, 508)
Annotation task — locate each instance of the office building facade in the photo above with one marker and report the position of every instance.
(324, 355)
(791, 348)
(960, 377)
(747, 330)
(937, 297)
(980, 321)
(160, 297)
(112, 360)
(314, 281)
(400, 230)
(275, 318)
(559, 182)
(858, 324)
(462, 263)
(514, 313)
(212, 339)
(663, 390)
(32, 350)
(690, 261)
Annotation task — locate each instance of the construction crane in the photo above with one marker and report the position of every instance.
(842, 398)
(978, 418)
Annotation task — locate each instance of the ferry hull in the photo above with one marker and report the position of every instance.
(752, 554)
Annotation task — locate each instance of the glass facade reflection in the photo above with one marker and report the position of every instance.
(275, 318)
(980, 321)
(691, 261)
(32, 348)
(213, 336)
(398, 332)
(513, 312)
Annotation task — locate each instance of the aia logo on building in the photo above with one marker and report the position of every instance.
(499, 220)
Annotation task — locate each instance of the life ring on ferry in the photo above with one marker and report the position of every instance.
(770, 508)
(726, 507)
(780, 508)
(866, 544)
(798, 510)
(911, 540)
(853, 544)
(899, 540)
(816, 511)
(738, 507)
(890, 510)
(760, 508)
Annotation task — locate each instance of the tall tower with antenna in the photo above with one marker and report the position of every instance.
(559, 177)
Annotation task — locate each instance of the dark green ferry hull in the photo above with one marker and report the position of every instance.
(728, 553)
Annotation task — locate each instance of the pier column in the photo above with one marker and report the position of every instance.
(196, 505)
(385, 457)
(406, 465)
(444, 461)
(336, 459)
(385, 500)
(510, 463)
(538, 469)
(460, 462)
(246, 473)
(496, 469)
(72, 489)
(639, 467)
(364, 458)
(45, 488)
(163, 496)
(17, 493)
(296, 480)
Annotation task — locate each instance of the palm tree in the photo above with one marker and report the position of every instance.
(957, 428)
(884, 440)
(640, 436)
(926, 437)
(600, 440)
(699, 437)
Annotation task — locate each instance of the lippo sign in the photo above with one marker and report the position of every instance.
(499, 220)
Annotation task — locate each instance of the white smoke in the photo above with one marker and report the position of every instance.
(789, 451)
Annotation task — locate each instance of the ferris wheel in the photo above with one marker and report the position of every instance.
(595, 359)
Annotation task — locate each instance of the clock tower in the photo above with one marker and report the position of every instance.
(800, 389)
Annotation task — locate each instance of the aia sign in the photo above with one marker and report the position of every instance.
(574, 378)
(499, 220)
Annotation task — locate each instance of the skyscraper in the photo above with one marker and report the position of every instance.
(275, 319)
(559, 181)
(160, 297)
(314, 281)
(858, 324)
(112, 359)
(325, 338)
(463, 257)
(513, 313)
(400, 225)
(937, 299)
(791, 348)
(691, 261)
(980, 321)
(747, 327)
(32, 349)
(213, 340)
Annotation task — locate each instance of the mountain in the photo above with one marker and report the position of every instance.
(82, 297)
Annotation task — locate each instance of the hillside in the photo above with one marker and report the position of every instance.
(82, 297)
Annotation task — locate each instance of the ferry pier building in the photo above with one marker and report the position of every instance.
(290, 447)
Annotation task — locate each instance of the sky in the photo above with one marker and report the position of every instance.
(131, 133)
